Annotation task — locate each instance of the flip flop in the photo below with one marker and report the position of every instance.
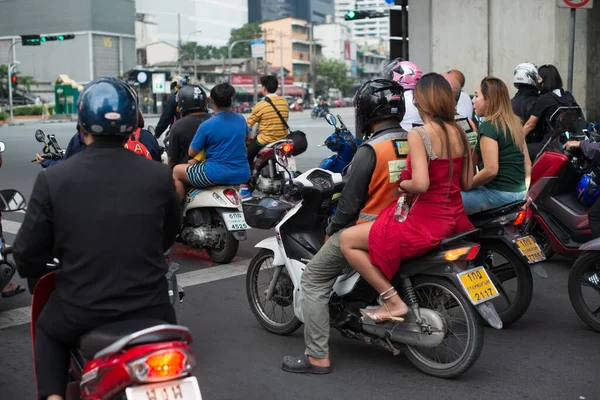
(17, 290)
(301, 365)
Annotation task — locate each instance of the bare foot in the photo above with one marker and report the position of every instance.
(319, 362)
(395, 308)
(54, 397)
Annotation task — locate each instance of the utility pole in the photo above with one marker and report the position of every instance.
(313, 72)
(179, 42)
(281, 63)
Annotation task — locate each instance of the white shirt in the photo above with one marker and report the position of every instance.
(412, 114)
(465, 105)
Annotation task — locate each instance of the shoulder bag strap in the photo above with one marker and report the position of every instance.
(268, 100)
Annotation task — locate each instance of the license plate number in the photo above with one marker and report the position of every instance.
(235, 221)
(477, 285)
(184, 389)
(529, 248)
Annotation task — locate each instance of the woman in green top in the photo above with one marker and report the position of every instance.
(503, 160)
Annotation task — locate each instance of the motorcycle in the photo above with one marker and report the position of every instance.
(437, 287)
(584, 283)
(341, 142)
(318, 112)
(295, 106)
(164, 150)
(273, 165)
(51, 150)
(213, 220)
(556, 218)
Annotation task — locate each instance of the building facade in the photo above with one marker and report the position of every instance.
(104, 43)
(314, 11)
(371, 35)
(337, 44)
(206, 22)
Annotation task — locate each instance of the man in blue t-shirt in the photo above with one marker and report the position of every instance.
(223, 140)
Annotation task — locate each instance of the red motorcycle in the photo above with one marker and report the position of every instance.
(556, 218)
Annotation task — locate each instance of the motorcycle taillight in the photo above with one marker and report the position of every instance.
(232, 196)
(162, 366)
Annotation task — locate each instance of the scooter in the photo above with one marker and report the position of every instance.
(213, 220)
(584, 284)
(440, 288)
(318, 112)
(341, 142)
(51, 150)
(273, 165)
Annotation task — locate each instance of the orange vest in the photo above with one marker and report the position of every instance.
(391, 150)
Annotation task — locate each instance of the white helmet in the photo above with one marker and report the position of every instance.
(526, 74)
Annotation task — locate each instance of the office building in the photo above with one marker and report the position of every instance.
(315, 11)
(371, 35)
(104, 43)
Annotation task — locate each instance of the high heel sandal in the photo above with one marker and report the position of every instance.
(371, 314)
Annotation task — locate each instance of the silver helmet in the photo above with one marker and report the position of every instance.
(526, 74)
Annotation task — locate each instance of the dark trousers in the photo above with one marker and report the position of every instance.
(56, 334)
(253, 149)
(594, 217)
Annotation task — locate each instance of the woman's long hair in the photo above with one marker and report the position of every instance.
(433, 98)
(551, 79)
(499, 110)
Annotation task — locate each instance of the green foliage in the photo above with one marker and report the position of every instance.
(242, 50)
(3, 116)
(332, 74)
(28, 110)
(51, 109)
(246, 32)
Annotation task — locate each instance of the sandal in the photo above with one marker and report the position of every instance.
(372, 315)
(301, 365)
(15, 291)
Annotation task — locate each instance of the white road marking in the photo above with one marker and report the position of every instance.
(21, 316)
(10, 226)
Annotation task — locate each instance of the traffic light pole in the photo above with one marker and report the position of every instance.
(10, 94)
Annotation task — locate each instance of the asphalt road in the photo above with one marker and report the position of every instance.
(548, 354)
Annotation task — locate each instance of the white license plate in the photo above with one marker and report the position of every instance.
(235, 221)
(291, 165)
(183, 389)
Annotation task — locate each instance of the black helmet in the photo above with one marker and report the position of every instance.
(377, 100)
(191, 98)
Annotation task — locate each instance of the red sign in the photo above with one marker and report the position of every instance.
(248, 80)
(575, 3)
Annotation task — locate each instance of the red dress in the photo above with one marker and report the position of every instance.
(437, 214)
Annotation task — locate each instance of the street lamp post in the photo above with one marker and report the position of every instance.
(10, 94)
(195, 66)
(231, 48)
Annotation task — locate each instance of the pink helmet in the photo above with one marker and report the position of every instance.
(404, 72)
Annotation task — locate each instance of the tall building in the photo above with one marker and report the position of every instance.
(206, 22)
(315, 11)
(104, 43)
(370, 34)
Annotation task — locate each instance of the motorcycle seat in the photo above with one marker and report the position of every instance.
(459, 236)
(102, 337)
(495, 212)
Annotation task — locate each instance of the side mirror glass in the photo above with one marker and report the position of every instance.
(331, 119)
(2, 147)
(11, 200)
(39, 135)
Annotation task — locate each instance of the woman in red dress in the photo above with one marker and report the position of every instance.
(439, 166)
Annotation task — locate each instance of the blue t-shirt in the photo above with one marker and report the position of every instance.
(223, 137)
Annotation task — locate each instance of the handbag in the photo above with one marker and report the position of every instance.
(298, 137)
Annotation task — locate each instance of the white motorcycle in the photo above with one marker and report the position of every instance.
(447, 294)
(213, 220)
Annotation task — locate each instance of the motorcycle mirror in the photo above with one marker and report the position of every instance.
(39, 135)
(2, 147)
(151, 129)
(342, 124)
(331, 119)
(11, 200)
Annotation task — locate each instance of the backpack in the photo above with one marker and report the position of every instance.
(134, 144)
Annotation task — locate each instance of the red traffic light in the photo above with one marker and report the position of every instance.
(14, 79)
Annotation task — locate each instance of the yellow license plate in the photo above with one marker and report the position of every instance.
(478, 285)
(529, 248)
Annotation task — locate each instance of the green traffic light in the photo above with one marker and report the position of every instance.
(43, 39)
(61, 37)
(351, 14)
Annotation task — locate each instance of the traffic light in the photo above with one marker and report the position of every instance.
(14, 81)
(353, 15)
(45, 39)
(31, 40)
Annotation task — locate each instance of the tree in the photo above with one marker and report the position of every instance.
(332, 74)
(246, 32)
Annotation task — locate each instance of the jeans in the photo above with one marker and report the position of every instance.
(317, 283)
(482, 199)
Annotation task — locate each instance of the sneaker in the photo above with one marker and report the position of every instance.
(245, 193)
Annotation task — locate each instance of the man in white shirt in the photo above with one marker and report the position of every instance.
(465, 105)
(411, 116)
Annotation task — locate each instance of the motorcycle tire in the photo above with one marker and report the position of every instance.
(313, 115)
(255, 301)
(583, 263)
(474, 339)
(226, 253)
(521, 271)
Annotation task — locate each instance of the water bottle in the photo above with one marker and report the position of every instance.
(403, 205)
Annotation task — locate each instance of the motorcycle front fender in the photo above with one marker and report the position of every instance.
(271, 244)
(592, 245)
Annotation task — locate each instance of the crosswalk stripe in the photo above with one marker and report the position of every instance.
(21, 316)
(9, 226)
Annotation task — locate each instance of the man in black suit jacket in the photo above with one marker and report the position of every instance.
(108, 215)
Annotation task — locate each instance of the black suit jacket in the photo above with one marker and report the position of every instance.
(108, 215)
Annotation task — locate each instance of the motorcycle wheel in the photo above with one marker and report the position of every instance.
(283, 297)
(513, 268)
(542, 239)
(586, 265)
(313, 115)
(449, 295)
(229, 248)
